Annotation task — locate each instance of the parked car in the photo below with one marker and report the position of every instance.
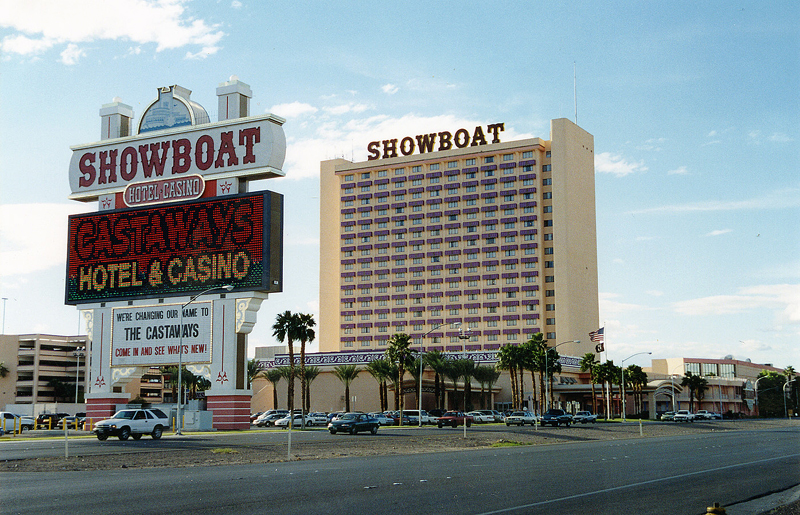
(480, 418)
(668, 416)
(707, 415)
(318, 418)
(133, 423)
(683, 415)
(383, 419)
(297, 420)
(436, 413)
(520, 418)
(73, 421)
(353, 423)
(414, 416)
(254, 416)
(454, 419)
(556, 417)
(584, 417)
(49, 420)
(496, 415)
(268, 418)
(13, 422)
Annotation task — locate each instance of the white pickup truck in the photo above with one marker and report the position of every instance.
(584, 417)
(133, 423)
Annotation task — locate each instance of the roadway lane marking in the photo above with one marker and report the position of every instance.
(633, 485)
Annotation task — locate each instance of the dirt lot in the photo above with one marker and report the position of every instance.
(412, 442)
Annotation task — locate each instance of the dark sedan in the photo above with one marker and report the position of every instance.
(353, 423)
(556, 417)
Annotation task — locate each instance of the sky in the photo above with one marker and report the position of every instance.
(694, 108)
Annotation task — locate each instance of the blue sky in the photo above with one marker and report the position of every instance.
(694, 108)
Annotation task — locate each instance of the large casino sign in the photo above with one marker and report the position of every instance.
(174, 216)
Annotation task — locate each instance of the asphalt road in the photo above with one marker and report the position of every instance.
(676, 475)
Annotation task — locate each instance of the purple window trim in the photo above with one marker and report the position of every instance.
(511, 303)
(432, 201)
(488, 167)
(364, 183)
(452, 171)
(511, 331)
(381, 194)
(434, 187)
(508, 165)
(510, 275)
(493, 180)
(491, 318)
(531, 288)
(452, 199)
(488, 208)
(535, 273)
(529, 246)
(348, 198)
(399, 297)
(492, 331)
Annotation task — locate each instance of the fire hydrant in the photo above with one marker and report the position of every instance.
(716, 509)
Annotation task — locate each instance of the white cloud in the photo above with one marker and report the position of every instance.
(42, 24)
(293, 109)
(33, 236)
(719, 232)
(655, 293)
(780, 137)
(71, 54)
(606, 162)
(390, 89)
(346, 108)
(783, 299)
(236, 4)
(681, 170)
(778, 199)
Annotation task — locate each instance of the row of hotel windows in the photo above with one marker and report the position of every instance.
(350, 215)
(400, 195)
(528, 154)
(512, 337)
(490, 240)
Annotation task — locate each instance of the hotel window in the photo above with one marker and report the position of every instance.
(509, 225)
(547, 182)
(491, 338)
(365, 201)
(549, 293)
(508, 198)
(549, 264)
(547, 168)
(509, 239)
(548, 223)
(364, 176)
(382, 173)
(383, 186)
(349, 178)
(436, 272)
(511, 280)
(548, 209)
(452, 244)
(548, 237)
(488, 173)
(434, 219)
(547, 154)
(491, 268)
(527, 168)
(527, 182)
(530, 279)
(511, 323)
(489, 187)
(452, 164)
(511, 266)
(434, 180)
(547, 195)
(383, 329)
(548, 251)
(491, 254)
(348, 241)
(511, 295)
(416, 169)
(382, 212)
(348, 216)
(399, 223)
(453, 312)
(436, 259)
(399, 197)
(488, 159)
(348, 202)
(364, 189)
(527, 154)
(510, 253)
(452, 204)
(469, 162)
(399, 171)
(416, 221)
(434, 193)
(400, 236)
(549, 307)
(549, 279)
(472, 284)
(348, 330)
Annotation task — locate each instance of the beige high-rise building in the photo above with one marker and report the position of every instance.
(468, 248)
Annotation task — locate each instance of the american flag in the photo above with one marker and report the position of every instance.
(597, 336)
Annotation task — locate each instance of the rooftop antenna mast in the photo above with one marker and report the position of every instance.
(575, 88)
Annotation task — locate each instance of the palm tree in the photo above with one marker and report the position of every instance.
(638, 380)
(380, 370)
(697, 386)
(414, 370)
(346, 374)
(437, 362)
(253, 368)
(400, 353)
(285, 329)
(486, 376)
(273, 375)
(467, 367)
(453, 373)
(508, 359)
(305, 333)
(533, 358)
(588, 364)
(311, 373)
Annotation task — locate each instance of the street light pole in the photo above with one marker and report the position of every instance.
(783, 391)
(622, 366)
(547, 375)
(419, 418)
(78, 353)
(178, 418)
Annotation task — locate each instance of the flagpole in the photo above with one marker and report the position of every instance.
(608, 385)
